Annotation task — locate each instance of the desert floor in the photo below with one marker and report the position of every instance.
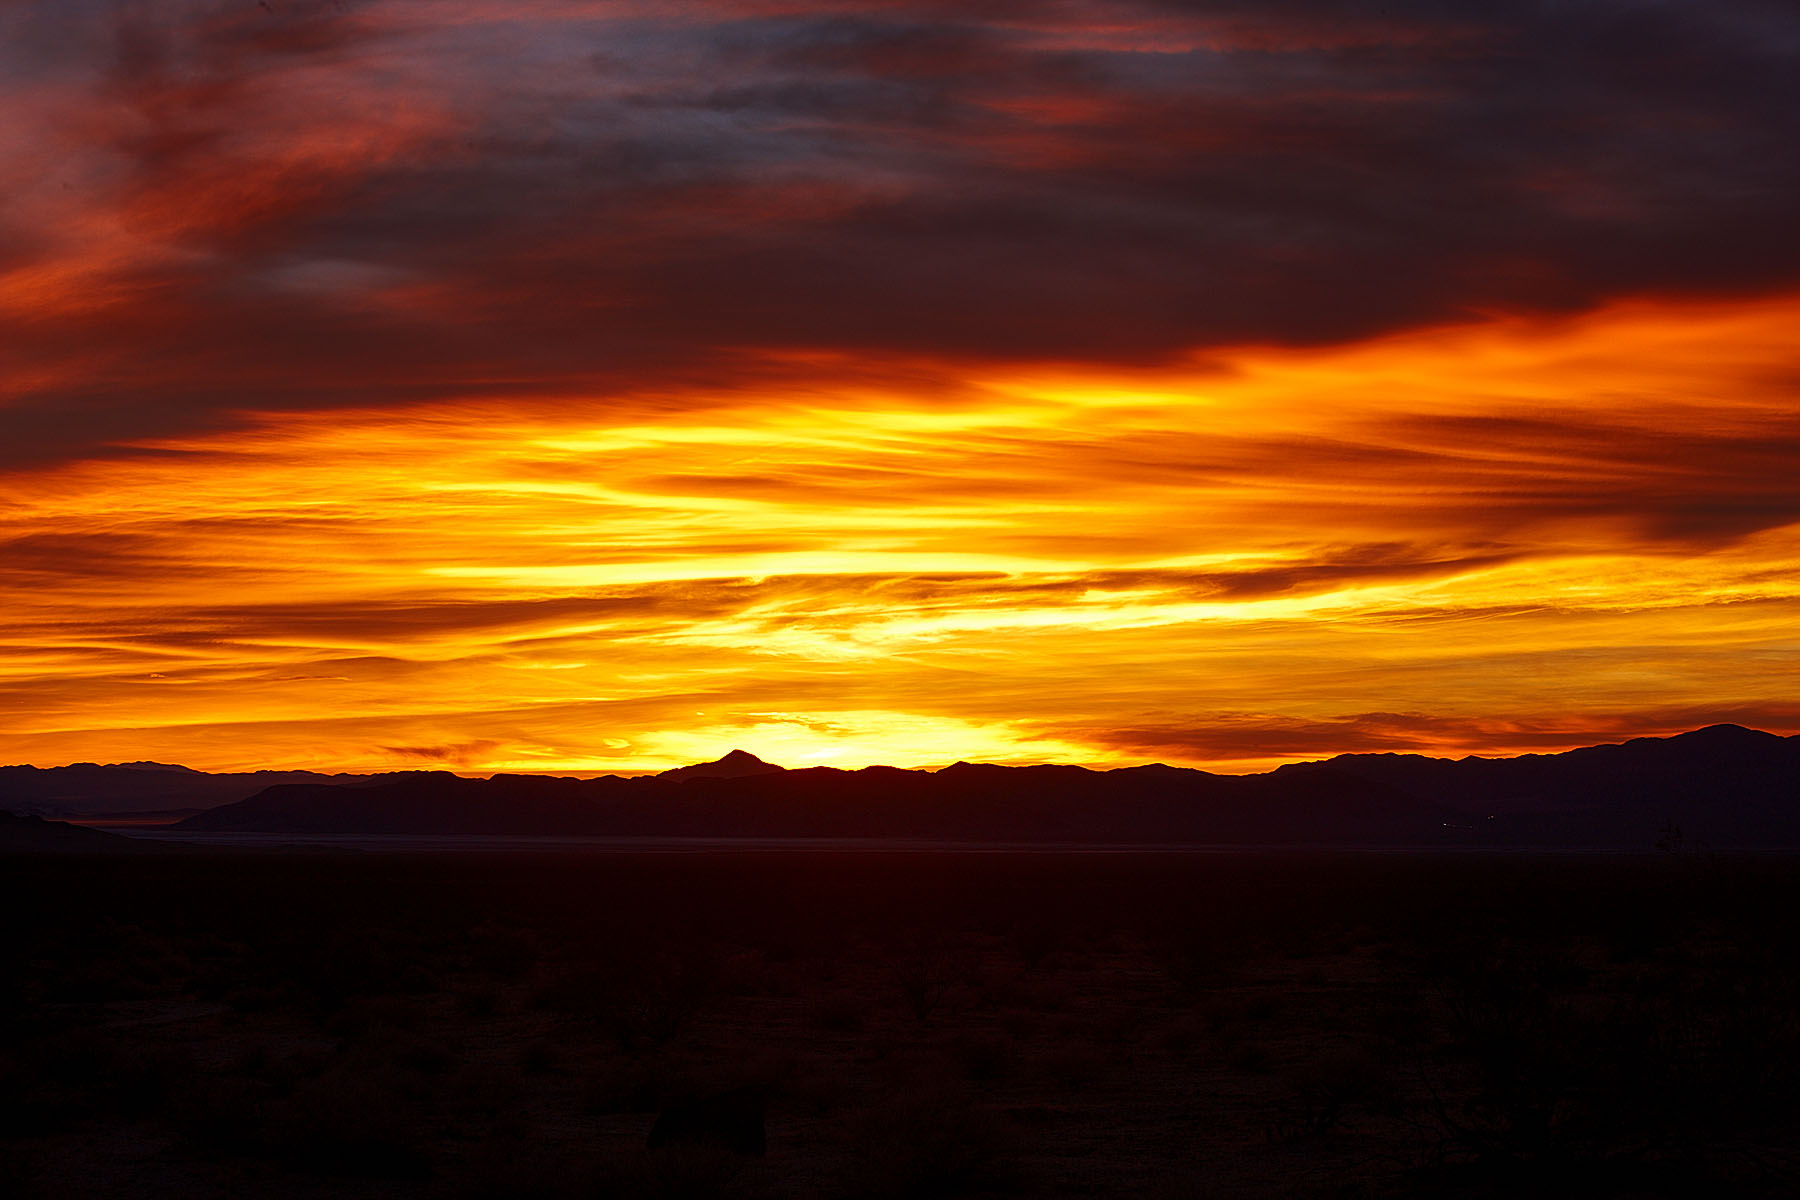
(920, 1024)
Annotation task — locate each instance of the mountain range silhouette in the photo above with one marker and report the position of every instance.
(1723, 786)
(141, 789)
(1720, 786)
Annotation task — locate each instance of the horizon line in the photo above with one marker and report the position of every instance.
(639, 773)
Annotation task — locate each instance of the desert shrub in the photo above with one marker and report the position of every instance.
(100, 981)
(250, 1000)
(648, 1004)
(651, 1012)
(1036, 934)
(1250, 1057)
(363, 1121)
(1328, 1090)
(818, 1089)
(632, 1085)
(81, 1057)
(364, 1017)
(1038, 994)
(930, 1142)
(1178, 1038)
(1074, 1064)
(146, 1077)
(984, 1056)
(514, 1166)
(1226, 1011)
(539, 1056)
(426, 1055)
(1560, 1076)
(743, 972)
(226, 1113)
(922, 976)
(686, 1171)
(839, 1010)
(569, 992)
(477, 1002)
(505, 952)
(32, 1103)
(1198, 955)
(20, 1174)
(485, 1092)
(1400, 1021)
(1525, 1045)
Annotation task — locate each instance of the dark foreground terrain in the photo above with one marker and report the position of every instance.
(237, 1024)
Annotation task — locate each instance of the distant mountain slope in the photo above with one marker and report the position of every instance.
(90, 789)
(424, 802)
(1722, 785)
(34, 835)
(965, 801)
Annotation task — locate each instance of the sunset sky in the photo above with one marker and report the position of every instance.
(603, 384)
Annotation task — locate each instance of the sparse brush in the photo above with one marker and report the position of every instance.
(928, 1143)
(838, 1011)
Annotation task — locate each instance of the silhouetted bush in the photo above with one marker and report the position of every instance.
(363, 1121)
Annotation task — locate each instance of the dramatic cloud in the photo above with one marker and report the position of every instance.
(576, 384)
(227, 206)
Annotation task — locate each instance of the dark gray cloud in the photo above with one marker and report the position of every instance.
(331, 205)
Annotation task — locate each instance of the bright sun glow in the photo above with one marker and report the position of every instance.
(1476, 523)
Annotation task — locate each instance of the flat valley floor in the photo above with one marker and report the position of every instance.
(189, 1024)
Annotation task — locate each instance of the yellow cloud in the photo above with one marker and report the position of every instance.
(1497, 525)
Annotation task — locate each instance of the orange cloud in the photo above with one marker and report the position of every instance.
(1507, 534)
(576, 384)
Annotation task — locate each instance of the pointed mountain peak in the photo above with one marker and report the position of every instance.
(735, 765)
